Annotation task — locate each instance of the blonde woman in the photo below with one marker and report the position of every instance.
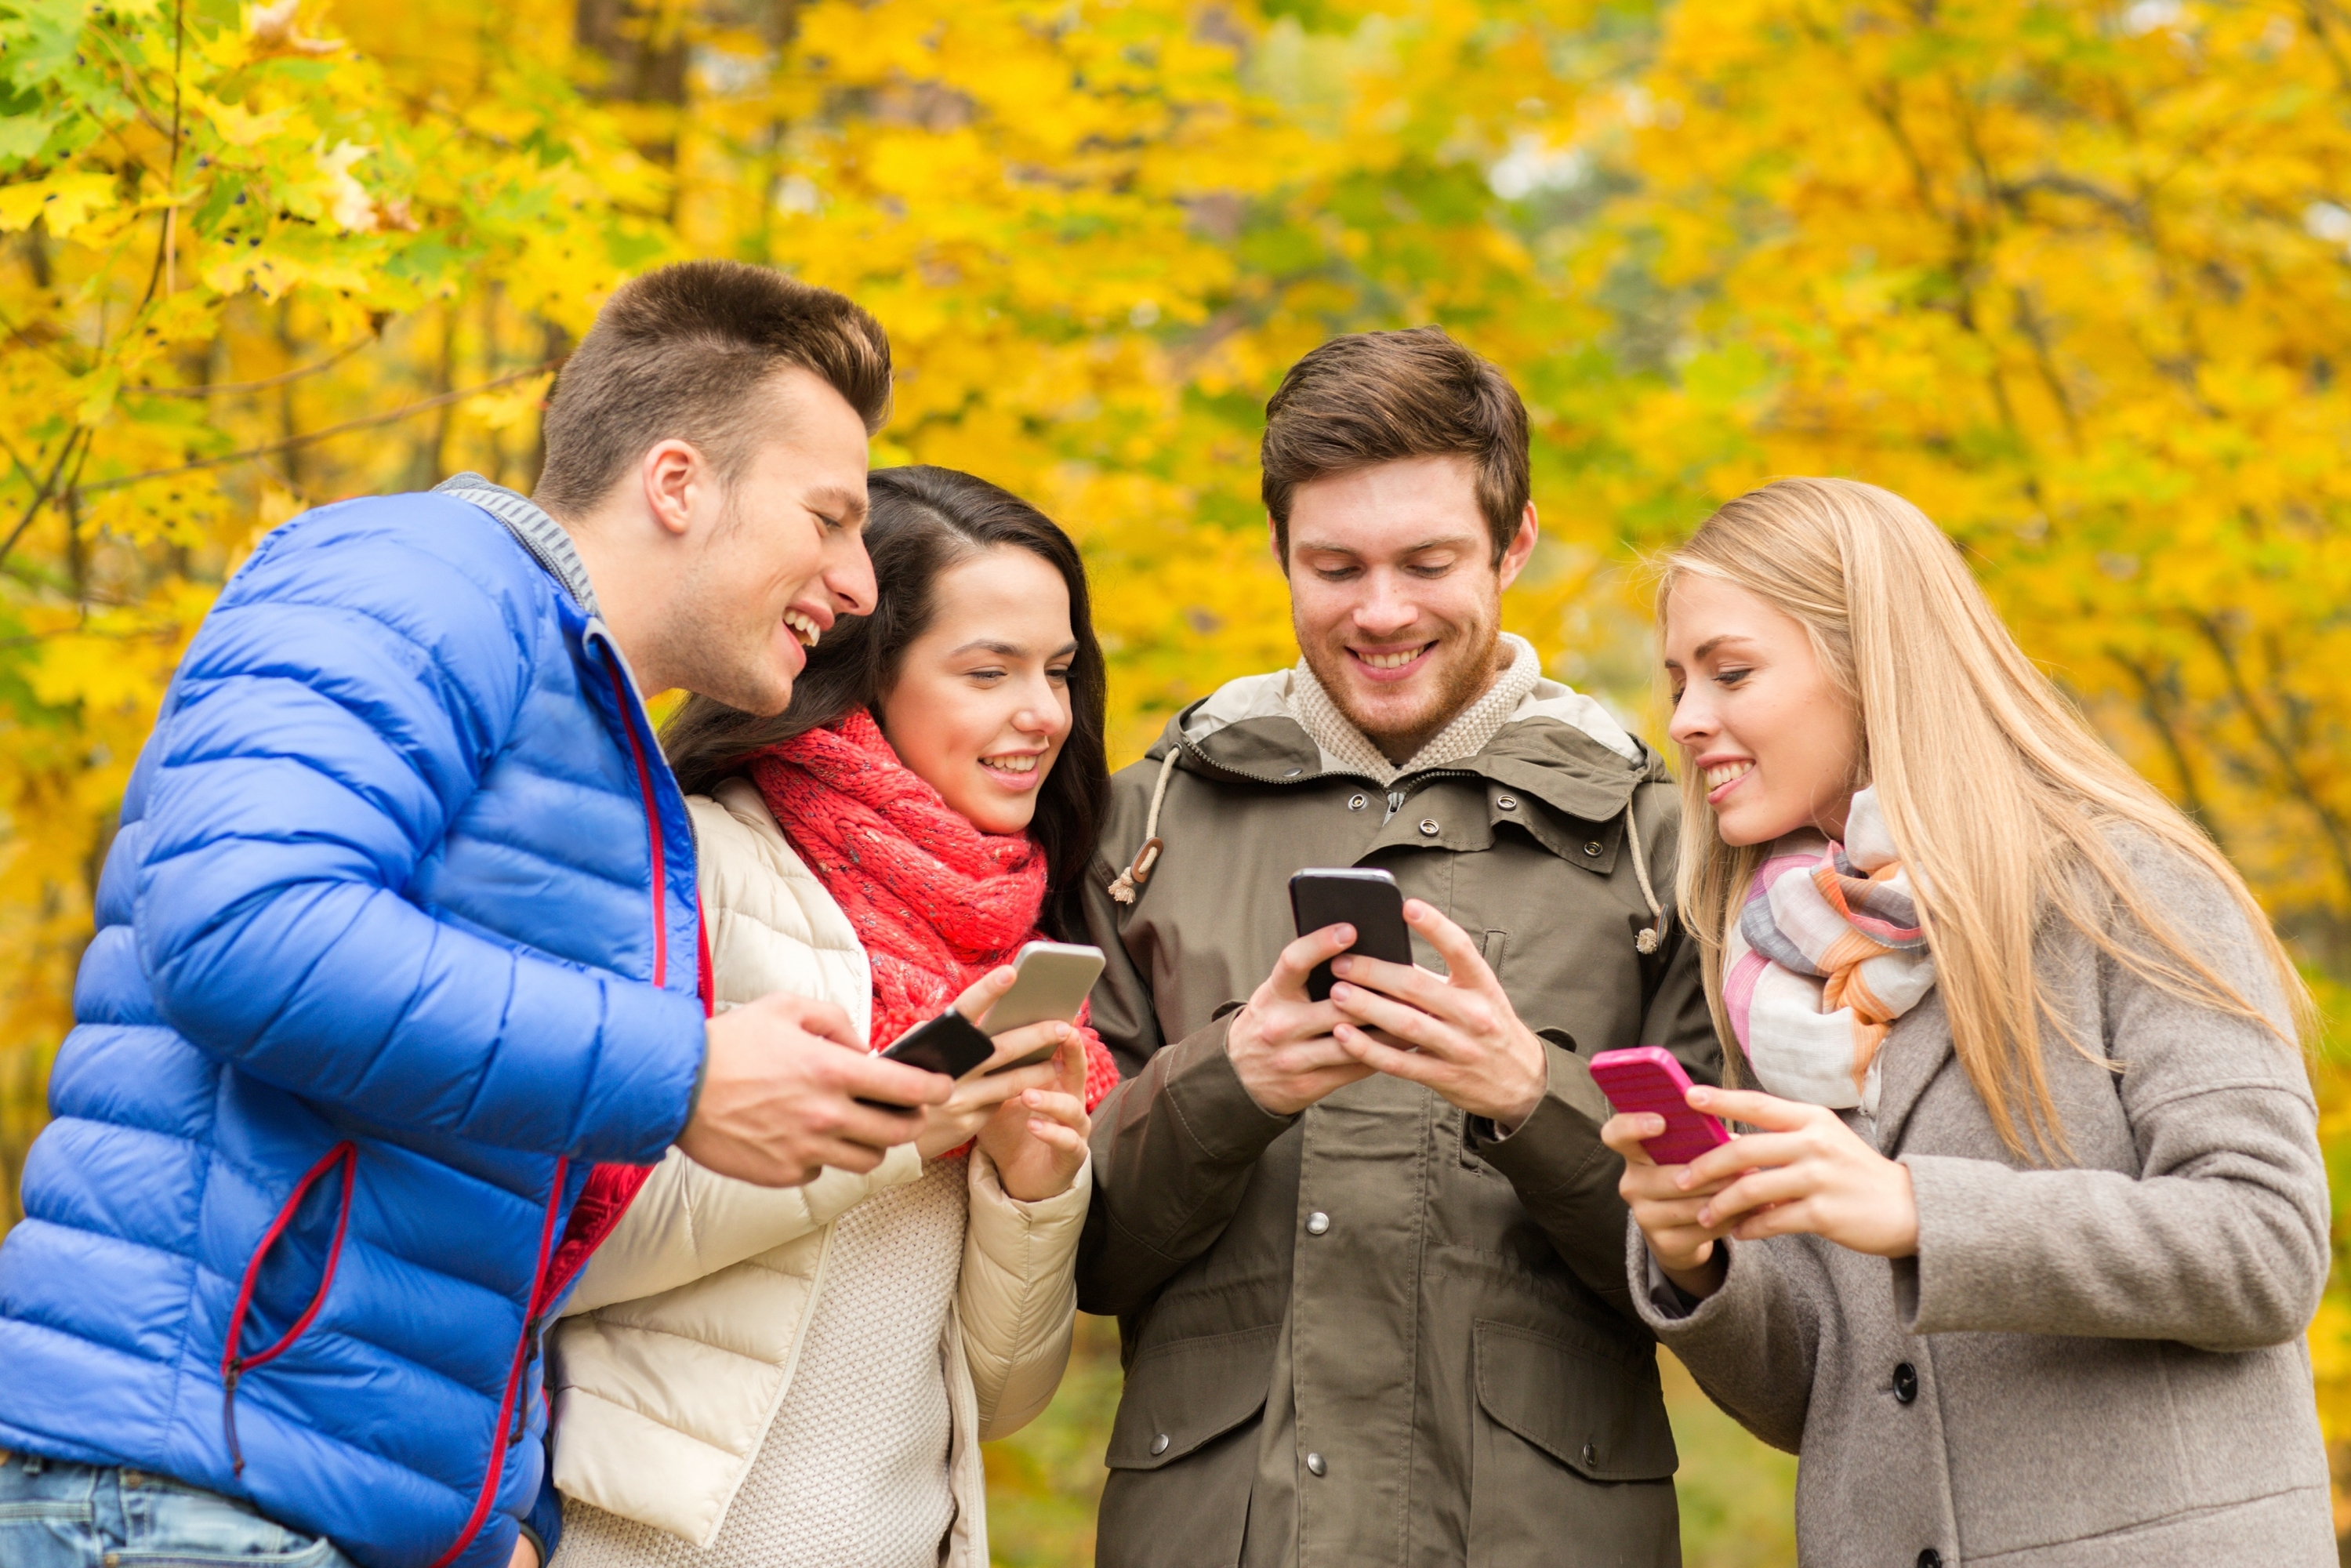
(2018, 1248)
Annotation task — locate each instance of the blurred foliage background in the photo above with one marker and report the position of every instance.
(2071, 276)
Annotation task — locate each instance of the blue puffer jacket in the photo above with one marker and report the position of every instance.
(398, 939)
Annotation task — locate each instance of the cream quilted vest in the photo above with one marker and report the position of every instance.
(677, 1348)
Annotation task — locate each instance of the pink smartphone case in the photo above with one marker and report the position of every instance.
(1647, 1078)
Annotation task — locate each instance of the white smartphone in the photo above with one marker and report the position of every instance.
(1054, 979)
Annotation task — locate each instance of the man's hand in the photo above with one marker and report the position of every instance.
(1281, 1043)
(1456, 1032)
(780, 1095)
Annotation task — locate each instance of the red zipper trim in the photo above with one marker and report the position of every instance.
(506, 1411)
(653, 826)
(234, 1367)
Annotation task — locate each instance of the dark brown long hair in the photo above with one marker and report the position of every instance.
(923, 521)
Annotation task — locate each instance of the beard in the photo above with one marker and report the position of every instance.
(1460, 667)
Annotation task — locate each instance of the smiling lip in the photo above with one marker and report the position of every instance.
(1014, 778)
(1723, 775)
(1407, 659)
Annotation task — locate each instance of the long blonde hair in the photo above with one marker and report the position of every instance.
(1998, 794)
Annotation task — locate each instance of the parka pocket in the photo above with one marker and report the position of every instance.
(1182, 1395)
(1593, 1405)
(1569, 1428)
(1196, 1401)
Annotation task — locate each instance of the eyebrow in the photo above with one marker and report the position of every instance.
(1445, 542)
(833, 501)
(1711, 644)
(1006, 650)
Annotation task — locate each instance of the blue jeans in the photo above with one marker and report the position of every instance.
(53, 1514)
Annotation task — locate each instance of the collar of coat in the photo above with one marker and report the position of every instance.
(540, 534)
(1558, 746)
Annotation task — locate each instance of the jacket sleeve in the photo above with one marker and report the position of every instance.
(336, 711)
(1173, 1151)
(2220, 1241)
(689, 1221)
(1563, 1173)
(1017, 1297)
(1755, 1344)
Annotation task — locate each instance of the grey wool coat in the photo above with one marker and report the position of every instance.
(2094, 1363)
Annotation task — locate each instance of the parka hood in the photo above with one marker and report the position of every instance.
(1558, 746)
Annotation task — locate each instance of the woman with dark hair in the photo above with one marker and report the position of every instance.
(803, 1376)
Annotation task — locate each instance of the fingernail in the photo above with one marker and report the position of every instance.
(1341, 992)
(1705, 1217)
(1347, 935)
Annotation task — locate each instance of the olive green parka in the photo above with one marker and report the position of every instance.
(1374, 1332)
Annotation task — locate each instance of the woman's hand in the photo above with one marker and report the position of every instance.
(1806, 1172)
(1039, 1141)
(978, 1095)
(1665, 1210)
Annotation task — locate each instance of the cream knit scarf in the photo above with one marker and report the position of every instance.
(1464, 737)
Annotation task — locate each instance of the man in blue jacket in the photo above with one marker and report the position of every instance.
(398, 943)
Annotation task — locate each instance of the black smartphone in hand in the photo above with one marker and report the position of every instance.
(1364, 897)
(949, 1043)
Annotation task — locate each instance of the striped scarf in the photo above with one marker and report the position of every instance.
(1827, 952)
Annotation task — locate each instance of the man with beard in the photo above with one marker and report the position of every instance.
(1367, 1254)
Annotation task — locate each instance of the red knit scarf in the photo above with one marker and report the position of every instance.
(937, 903)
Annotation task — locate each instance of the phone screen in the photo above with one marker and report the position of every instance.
(1362, 897)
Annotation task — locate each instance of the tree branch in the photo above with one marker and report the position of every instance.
(308, 437)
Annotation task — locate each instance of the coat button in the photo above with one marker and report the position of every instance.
(1507, 802)
(1591, 848)
(1930, 1558)
(1314, 1462)
(1429, 827)
(1159, 1444)
(1591, 1456)
(1317, 1223)
(1357, 802)
(1906, 1383)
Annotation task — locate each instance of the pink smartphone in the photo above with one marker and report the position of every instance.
(1647, 1078)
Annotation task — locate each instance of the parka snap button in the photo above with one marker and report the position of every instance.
(1591, 1454)
(1508, 802)
(1314, 1462)
(1906, 1383)
(1428, 826)
(1159, 1444)
(1356, 802)
(1930, 1558)
(1591, 848)
(1317, 1223)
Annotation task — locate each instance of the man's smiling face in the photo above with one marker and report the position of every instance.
(1396, 595)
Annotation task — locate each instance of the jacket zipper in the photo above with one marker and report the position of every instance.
(233, 1366)
(512, 1411)
(627, 700)
(508, 1405)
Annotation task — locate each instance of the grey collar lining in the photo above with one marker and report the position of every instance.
(537, 532)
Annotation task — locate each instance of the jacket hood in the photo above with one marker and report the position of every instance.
(1559, 745)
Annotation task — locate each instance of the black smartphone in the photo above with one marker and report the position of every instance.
(1364, 897)
(949, 1043)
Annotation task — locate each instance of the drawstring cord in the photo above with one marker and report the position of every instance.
(1138, 870)
(1647, 942)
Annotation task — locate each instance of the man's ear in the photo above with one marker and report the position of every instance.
(1522, 546)
(670, 473)
(1273, 541)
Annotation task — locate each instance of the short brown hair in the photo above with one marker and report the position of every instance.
(1375, 397)
(678, 354)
